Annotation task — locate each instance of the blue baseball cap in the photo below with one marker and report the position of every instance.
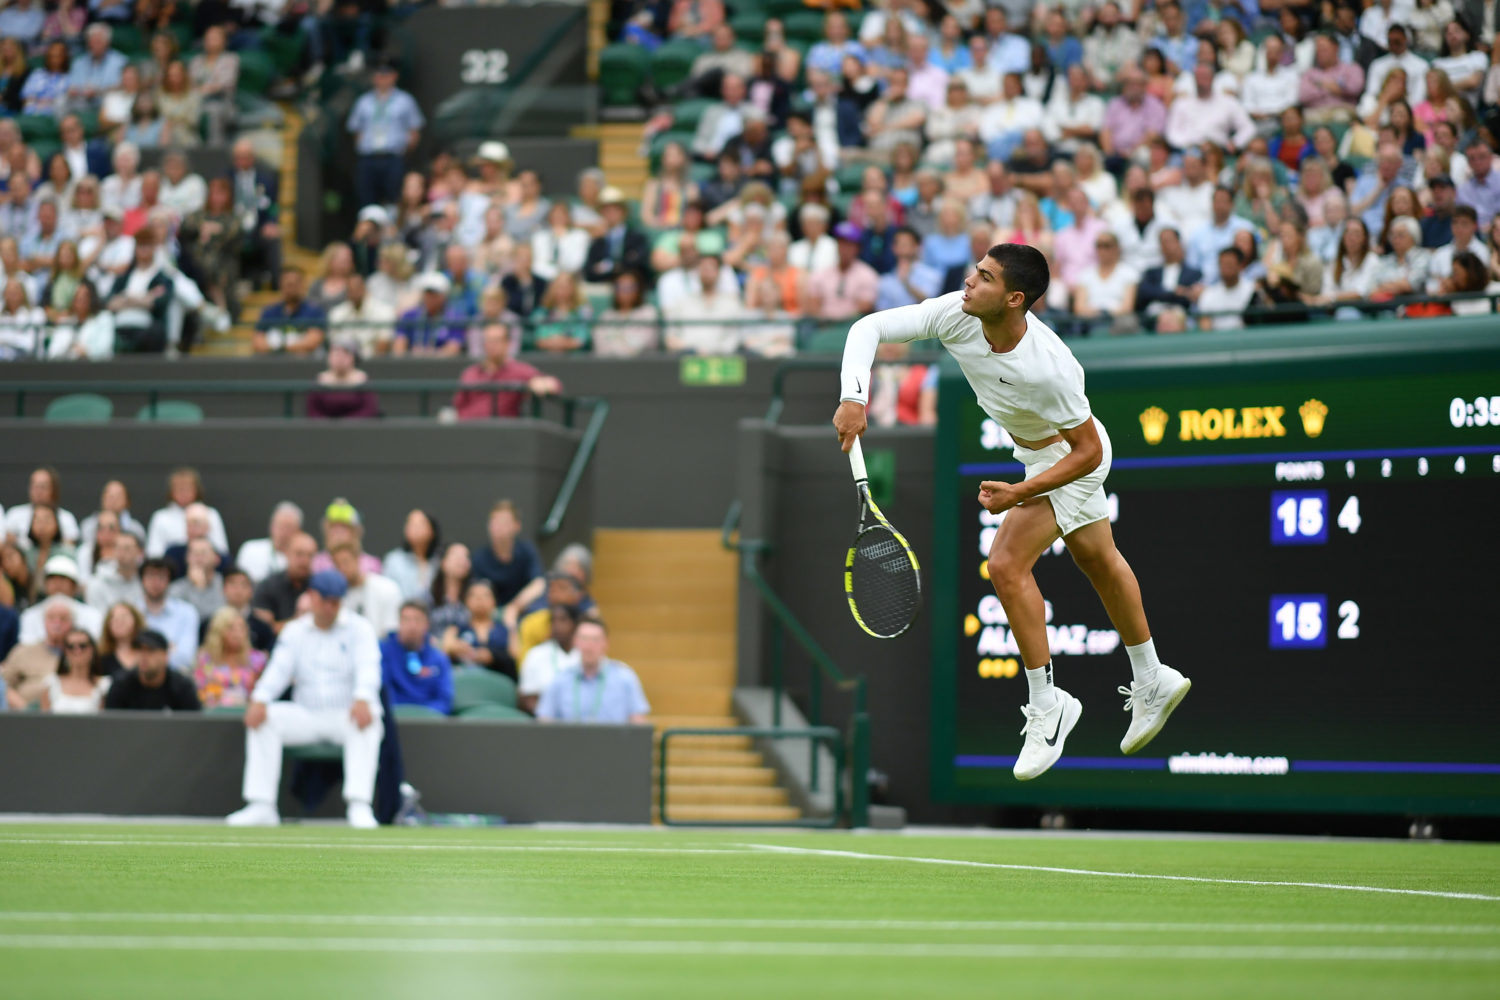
(329, 582)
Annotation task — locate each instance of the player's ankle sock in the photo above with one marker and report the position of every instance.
(1043, 694)
(1143, 661)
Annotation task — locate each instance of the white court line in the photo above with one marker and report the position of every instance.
(359, 845)
(775, 949)
(820, 852)
(736, 923)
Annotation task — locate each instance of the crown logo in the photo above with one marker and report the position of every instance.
(1313, 413)
(1154, 424)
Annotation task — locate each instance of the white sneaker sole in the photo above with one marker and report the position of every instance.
(1147, 735)
(1072, 710)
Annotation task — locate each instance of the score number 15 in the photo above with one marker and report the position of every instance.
(1300, 517)
(1298, 621)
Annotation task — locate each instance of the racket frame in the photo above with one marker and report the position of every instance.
(870, 510)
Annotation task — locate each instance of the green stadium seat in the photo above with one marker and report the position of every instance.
(81, 407)
(687, 114)
(89, 119)
(45, 149)
(35, 127)
(257, 72)
(702, 173)
(416, 712)
(673, 61)
(473, 686)
(284, 51)
(234, 710)
(315, 751)
(493, 713)
(171, 411)
(850, 176)
(786, 8)
(622, 69)
(750, 28)
(128, 40)
(827, 338)
(805, 25)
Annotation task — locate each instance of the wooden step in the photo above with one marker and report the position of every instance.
(678, 774)
(733, 814)
(694, 722)
(655, 671)
(690, 701)
(725, 795)
(682, 753)
(664, 616)
(666, 586)
(701, 540)
(711, 644)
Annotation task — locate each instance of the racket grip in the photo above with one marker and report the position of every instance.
(857, 462)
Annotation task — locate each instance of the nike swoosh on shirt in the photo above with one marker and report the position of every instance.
(1003, 382)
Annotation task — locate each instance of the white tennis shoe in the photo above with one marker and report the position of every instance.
(360, 816)
(1150, 705)
(1045, 731)
(255, 814)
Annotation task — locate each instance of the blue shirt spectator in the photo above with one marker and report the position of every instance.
(829, 56)
(596, 689)
(292, 324)
(941, 252)
(1010, 54)
(508, 576)
(412, 670)
(23, 20)
(1205, 242)
(173, 618)
(45, 92)
(427, 333)
(97, 69)
(1065, 54)
(386, 119)
(910, 281)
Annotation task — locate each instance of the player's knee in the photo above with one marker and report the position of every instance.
(1006, 571)
(1094, 562)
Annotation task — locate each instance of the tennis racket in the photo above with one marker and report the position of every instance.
(881, 576)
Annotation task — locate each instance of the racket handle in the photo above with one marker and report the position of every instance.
(857, 462)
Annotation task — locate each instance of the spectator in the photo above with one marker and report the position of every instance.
(499, 367)
(722, 121)
(948, 246)
(340, 395)
(22, 325)
(433, 327)
(294, 324)
(342, 525)
(331, 659)
(168, 615)
(122, 623)
(566, 587)
(509, 562)
(331, 287)
(912, 280)
(228, 665)
(559, 246)
(257, 204)
(14, 69)
(181, 107)
(629, 326)
(278, 596)
(211, 241)
(215, 75)
(200, 587)
(43, 538)
(1404, 270)
(80, 683)
(412, 670)
(164, 50)
(1207, 116)
(17, 575)
(1468, 274)
(30, 665)
(523, 287)
(374, 596)
(1294, 274)
(849, 288)
(139, 301)
(1437, 224)
(82, 331)
(1222, 303)
(1006, 122)
(117, 105)
(561, 322)
(449, 584)
(620, 248)
(1139, 233)
(1073, 244)
(668, 250)
(150, 686)
(97, 554)
(1204, 243)
(704, 322)
(895, 118)
(1107, 289)
(720, 58)
(1171, 285)
(1465, 240)
(816, 250)
(413, 565)
(169, 525)
(260, 557)
(667, 193)
(387, 125)
(1482, 189)
(1269, 92)
(147, 129)
(116, 499)
(544, 661)
(479, 640)
(1355, 270)
(46, 89)
(239, 591)
(1398, 56)
(1374, 186)
(118, 580)
(597, 689)
(525, 216)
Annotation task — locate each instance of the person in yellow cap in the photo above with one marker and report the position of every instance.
(342, 526)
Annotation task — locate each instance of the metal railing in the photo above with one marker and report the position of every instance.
(289, 390)
(784, 622)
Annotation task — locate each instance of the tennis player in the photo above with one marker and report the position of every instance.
(1027, 380)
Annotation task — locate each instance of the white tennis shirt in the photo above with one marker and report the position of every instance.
(1033, 391)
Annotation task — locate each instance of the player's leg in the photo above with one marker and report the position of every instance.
(1157, 688)
(1051, 712)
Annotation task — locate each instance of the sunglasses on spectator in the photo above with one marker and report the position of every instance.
(70, 647)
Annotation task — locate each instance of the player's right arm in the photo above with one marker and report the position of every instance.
(893, 326)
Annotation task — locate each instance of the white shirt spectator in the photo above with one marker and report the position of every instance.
(119, 194)
(1359, 281)
(372, 324)
(1067, 111)
(1268, 94)
(331, 669)
(185, 197)
(1008, 117)
(18, 523)
(378, 600)
(1140, 248)
(1440, 265)
(676, 284)
(551, 255)
(1416, 78)
(22, 332)
(713, 330)
(259, 559)
(1375, 21)
(94, 339)
(1108, 294)
(34, 628)
(168, 527)
(541, 664)
(1187, 207)
(1217, 298)
(1194, 120)
(809, 257)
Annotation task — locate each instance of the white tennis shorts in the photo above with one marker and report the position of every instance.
(1082, 501)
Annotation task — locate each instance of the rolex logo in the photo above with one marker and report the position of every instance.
(1154, 424)
(1313, 413)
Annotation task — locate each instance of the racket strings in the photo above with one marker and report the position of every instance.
(884, 586)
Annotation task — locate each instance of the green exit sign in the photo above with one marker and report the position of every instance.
(713, 371)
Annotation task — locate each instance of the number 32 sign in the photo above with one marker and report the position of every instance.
(484, 66)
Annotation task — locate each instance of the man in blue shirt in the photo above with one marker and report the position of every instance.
(1009, 53)
(173, 618)
(509, 562)
(23, 20)
(412, 670)
(910, 281)
(97, 70)
(597, 689)
(432, 327)
(387, 124)
(1207, 240)
(294, 325)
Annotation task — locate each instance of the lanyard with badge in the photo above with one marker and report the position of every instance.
(380, 130)
(593, 715)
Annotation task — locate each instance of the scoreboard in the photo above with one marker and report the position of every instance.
(1317, 537)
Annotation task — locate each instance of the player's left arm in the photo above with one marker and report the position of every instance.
(1087, 453)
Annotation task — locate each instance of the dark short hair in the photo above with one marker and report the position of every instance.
(908, 231)
(156, 562)
(593, 619)
(1235, 252)
(1023, 269)
(570, 611)
(1467, 211)
(1477, 142)
(415, 605)
(235, 571)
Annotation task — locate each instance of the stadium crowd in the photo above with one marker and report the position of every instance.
(86, 606)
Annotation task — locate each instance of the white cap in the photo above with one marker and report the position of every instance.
(611, 196)
(494, 151)
(375, 214)
(432, 281)
(62, 566)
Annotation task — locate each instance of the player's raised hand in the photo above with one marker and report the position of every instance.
(996, 497)
(849, 421)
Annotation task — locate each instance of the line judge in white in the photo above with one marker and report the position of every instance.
(331, 658)
(1028, 381)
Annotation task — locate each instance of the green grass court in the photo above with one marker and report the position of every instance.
(124, 911)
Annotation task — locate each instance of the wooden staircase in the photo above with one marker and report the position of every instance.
(669, 599)
(620, 154)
